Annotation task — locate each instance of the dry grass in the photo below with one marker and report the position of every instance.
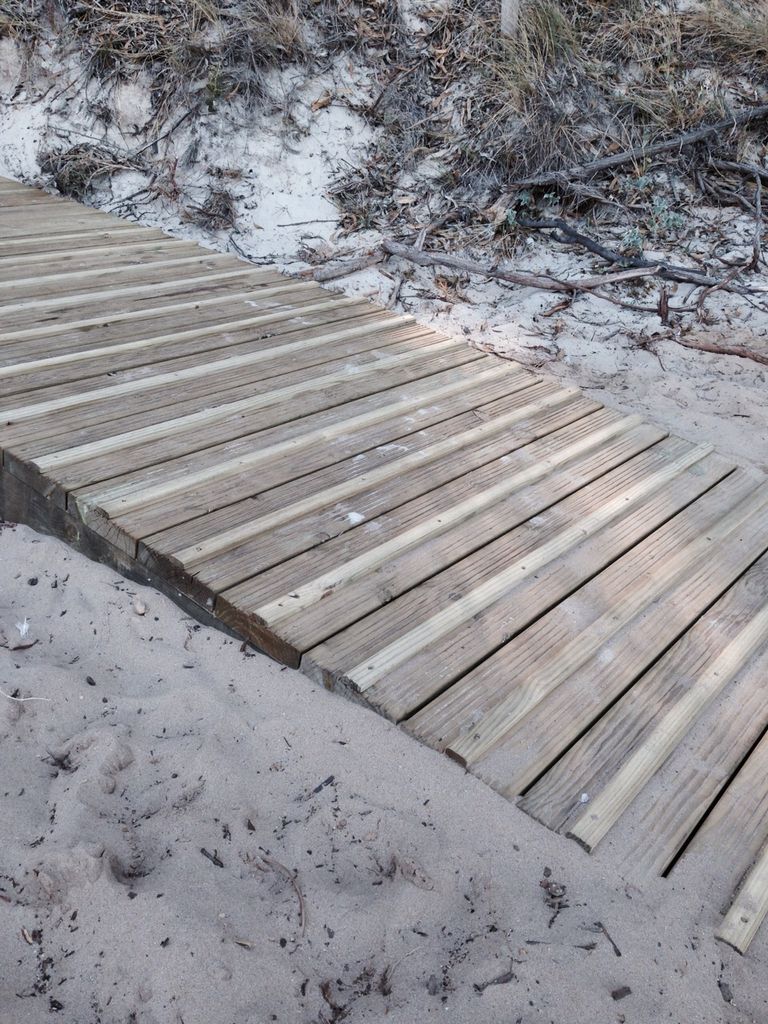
(583, 79)
(75, 170)
(214, 49)
(21, 19)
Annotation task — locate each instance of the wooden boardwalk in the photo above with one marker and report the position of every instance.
(568, 601)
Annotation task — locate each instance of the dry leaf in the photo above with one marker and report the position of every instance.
(322, 101)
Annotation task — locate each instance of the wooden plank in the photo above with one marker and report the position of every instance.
(70, 396)
(35, 438)
(24, 228)
(41, 285)
(276, 393)
(421, 538)
(164, 335)
(212, 295)
(297, 334)
(395, 468)
(36, 208)
(616, 796)
(95, 256)
(330, 447)
(590, 641)
(134, 491)
(442, 622)
(734, 832)
(525, 752)
(68, 241)
(271, 546)
(668, 811)
(34, 198)
(35, 305)
(749, 908)
(451, 514)
(11, 186)
(85, 428)
(731, 844)
(495, 605)
(323, 386)
(713, 620)
(40, 219)
(525, 670)
(348, 429)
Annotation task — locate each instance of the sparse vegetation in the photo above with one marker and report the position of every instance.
(462, 116)
(75, 170)
(579, 81)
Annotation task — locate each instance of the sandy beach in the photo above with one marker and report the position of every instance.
(193, 834)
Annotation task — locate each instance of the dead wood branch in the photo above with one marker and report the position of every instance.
(641, 153)
(757, 241)
(667, 271)
(538, 281)
(741, 351)
(751, 170)
(349, 267)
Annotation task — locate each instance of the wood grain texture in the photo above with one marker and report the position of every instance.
(566, 600)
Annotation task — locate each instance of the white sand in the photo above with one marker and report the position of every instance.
(419, 882)
(280, 163)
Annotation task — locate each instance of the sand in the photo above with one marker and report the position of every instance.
(168, 795)
(280, 164)
(152, 739)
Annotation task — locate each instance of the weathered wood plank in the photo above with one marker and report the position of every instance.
(273, 393)
(424, 467)
(416, 542)
(270, 547)
(671, 807)
(162, 270)
(128, 252)
(524, 752)
(69, 240)
(328, 448)
(749, 908)
(162, 335)
(544, 560)
(234, 294)
(661, 573)
(669, 729)
(288, 337)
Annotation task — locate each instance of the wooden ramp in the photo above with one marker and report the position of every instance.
(568, 601)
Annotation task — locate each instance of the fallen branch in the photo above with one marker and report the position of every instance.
(581, 172)
(723, 350)
(757, 241)
(538, 281)
(751, 170)
(350, 267)
(667, 271)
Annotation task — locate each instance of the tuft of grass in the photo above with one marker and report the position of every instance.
(582, 79)
(74, 170)
(219, 48)
(216, 212)
(725, 30)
